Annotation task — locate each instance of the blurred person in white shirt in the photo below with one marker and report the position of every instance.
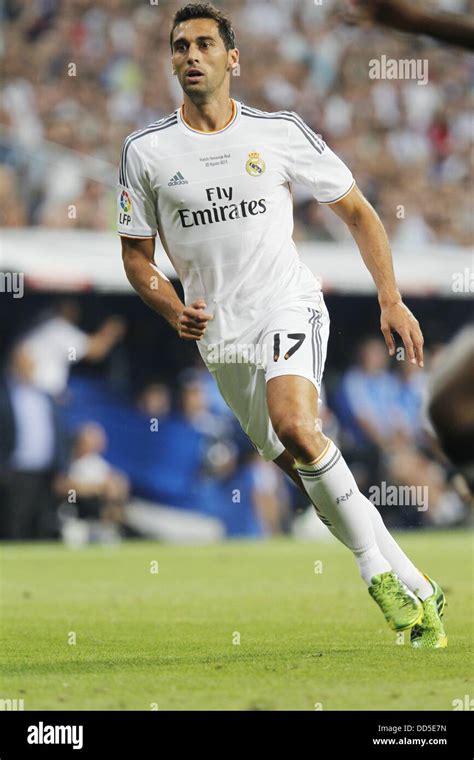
(57, 343)
(97, 490)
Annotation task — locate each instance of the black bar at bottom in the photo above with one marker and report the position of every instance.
(147, 734)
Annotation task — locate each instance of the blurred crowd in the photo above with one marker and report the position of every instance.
(78, 76)
(81, 461)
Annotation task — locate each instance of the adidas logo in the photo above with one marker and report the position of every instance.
(178, 179)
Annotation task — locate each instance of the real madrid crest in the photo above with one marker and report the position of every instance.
(255, 165)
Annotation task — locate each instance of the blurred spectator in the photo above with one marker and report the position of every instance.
(154, 400)
(98, 491)
(88, 211)
(31, 451)
(371, 395)
(270, 496)
(193, 405)
(410, 396)
(57, 343)
(214, 400)
(12, 210)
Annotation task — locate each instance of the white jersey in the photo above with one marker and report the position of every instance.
(221, 203)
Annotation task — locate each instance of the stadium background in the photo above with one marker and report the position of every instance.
(163, 457)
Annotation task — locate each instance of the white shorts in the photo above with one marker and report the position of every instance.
(292, 341)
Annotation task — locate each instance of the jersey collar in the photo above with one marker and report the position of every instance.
(232, 121)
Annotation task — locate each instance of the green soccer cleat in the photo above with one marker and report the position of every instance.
(402, 609)
(430, 634)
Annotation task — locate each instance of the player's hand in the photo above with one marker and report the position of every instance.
(192, 322)
(399, 318)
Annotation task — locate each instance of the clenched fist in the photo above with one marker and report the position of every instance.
(192, 321)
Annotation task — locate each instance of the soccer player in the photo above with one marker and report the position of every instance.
(213, 179)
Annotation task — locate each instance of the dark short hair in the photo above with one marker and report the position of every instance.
(205, 10)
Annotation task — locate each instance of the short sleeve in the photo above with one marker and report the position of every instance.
(313, 164)
(136, 202)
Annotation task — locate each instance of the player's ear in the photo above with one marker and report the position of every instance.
(234, 59)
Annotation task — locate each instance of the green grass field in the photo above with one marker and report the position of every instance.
(168, 638)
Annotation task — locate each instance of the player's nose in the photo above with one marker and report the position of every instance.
(193, 53)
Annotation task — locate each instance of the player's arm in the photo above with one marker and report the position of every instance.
(158, 293)
(371, 238)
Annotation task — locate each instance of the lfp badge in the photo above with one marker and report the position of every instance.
(126, 207)
(255, 165)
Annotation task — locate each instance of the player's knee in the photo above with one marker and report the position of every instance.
(299, 434)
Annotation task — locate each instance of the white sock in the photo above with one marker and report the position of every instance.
(401, 565)
(340, 505)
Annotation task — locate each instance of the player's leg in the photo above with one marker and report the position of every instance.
(390, 549)
(430, 632)
(292, 405)
(286, 462)
(295, 350)
(242, 386)
(295, 342)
